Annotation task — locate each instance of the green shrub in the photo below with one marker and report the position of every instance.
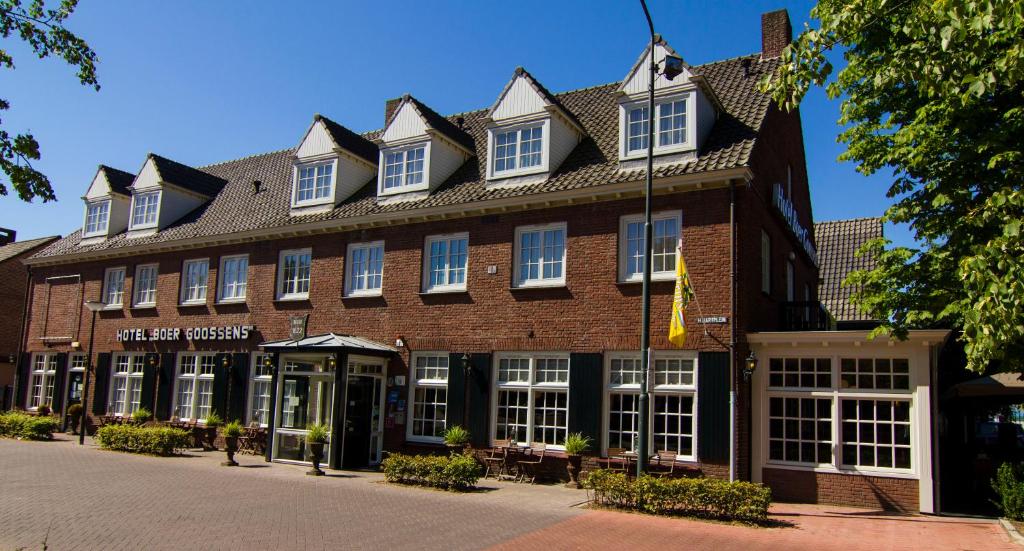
(704, 497)
(454, 472)
(142, 415)
(456, 436)
(44, 410)
(148, 440)
(318, 433)
(214, 420)
(16, 424)
(232, 429)
(1010, 489)
(576, 443)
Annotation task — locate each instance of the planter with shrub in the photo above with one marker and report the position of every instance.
(454, 472)
(575, 445)
(316, 436)
(701, 497)
(208, 434)
(146, 440)
(75, 417)
(456, 437)
(20, 425)
(231, 432)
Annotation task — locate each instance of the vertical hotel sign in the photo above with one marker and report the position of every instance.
(785, 207)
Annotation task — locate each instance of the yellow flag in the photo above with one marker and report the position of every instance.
(680, 300)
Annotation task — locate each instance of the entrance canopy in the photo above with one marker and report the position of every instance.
(329, 342)
(999, 385)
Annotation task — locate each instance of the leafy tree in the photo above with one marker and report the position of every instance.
(43, 29)
(931, 92)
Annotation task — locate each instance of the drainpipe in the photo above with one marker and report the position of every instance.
(732, 330)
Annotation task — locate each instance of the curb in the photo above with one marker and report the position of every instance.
(1011, 530)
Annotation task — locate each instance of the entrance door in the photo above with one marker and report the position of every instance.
(359, 401)
(74, 387)
(305, 396)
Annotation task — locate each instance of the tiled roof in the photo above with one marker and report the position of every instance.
(351, 141)
(12, 250)
(593, 163)
(187, 177)
(440, 124)
(838, 242)
(540, 89)
(119, 180)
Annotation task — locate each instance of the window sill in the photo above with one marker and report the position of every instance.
(364, 295)
(112, 308)
(654, 279)
(228, 302)
(892, 473)
(423, 441)
(444, 292)
(297, 298)
(191, 304)
(143, 306)
(662, 150)
(536, 287)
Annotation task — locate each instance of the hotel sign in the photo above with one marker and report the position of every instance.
(785, 207)
(218, 333)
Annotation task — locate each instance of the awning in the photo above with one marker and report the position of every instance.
(328, 342)
(990, 386)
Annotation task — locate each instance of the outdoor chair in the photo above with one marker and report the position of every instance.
(617, 461)
(495, 461)
(527, 468)
(666, 464)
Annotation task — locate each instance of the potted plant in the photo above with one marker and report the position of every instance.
(317, 435)
(75, 417)
(43, 410)
(213, 422)
(456, 438)
(141, 416)
(575, 445)
(231, 432)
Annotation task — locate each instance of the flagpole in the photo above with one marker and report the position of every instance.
(645, 332)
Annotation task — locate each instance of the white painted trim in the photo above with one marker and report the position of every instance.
(545, 148)
(624, 221)
(132, 226)
(349, 292)
(195, 377)
(124, 279)
(529, 387)
(279, 288)
(403, 188)
(254, 360)
(426, 383)
(85, 222)
(516, 255)
(220, 279)
(425, 264)
(183, 279)
(625, 106)
(135, 285)
(329, 199)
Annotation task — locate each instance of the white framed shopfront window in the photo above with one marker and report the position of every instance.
(41, 379)
(261, 375)
(531, 398)
(126, 383)
(428, 397)
(193, 386)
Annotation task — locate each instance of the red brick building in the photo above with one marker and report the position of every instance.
(480, 269)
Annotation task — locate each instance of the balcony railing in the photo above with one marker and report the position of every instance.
(805, 316)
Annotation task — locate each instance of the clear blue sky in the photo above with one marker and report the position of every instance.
(203, 82)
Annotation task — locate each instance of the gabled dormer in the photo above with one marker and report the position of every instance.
(529, 132)
(107, 203)
(685, 111)
(331, 163)
(419, 150)
(164, 191)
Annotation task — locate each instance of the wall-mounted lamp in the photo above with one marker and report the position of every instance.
(268, 361)
(11, 358)
(466, 367)
(153, 360)
(331, 363)
(749, 365)
(225, 360)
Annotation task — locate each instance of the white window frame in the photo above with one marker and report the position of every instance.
(98, 230)
(314, 200)
(532, 388)
(136, 365)
(106, 287)
(281, 283)
(626, 108)
(138, 290)
(669, 271)
(633, 388)
(259, 376)
(448, 269)
(196, 377)
(186, 288)
(426, 383)
(541, 281)
(44, 369)
(545, 147)
(144, 224)
(766, 263)
(350, 275)
(222, 284)
(404, 186)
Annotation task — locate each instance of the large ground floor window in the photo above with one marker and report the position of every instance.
(126, 383)
(429, 396)
(532, 398)
(193, 395)
(261, 376)
(41, 379)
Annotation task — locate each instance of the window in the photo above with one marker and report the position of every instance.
(233, 274)
(671, 130)
(314, 183)
(44, 371)
(876, 433)
(800, 429)
(76, 368)
(429, 396)
(445, 261)
(766, 263)
(293, 274)
(665, 227)
(800, 372)
(97, 216)
(673, 411)
(672, 123)
(365, 268)
(404, 168)
(540, 255)
(193, 395)
(113, 286)
(260, 389)
(519, 149)
(145, 285)
(638, 129)
(194, 274)
(144, 207)
(126, 384)
(532, 402)
(875, 373)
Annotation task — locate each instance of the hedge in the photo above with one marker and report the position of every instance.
(454, 472)
(704, 497)
(16, 424)
(148, 440)
(1010, 489)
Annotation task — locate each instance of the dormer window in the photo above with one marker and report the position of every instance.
(97, 218)
(518, 149)
(144, 209)
(314, 183)
(404, 168)
(671, 132)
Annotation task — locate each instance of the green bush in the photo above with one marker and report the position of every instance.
(704, 497)
(148, 440)
(456, 436)
(16, 424)
(232, 429)
(1010, 489)
(454, 472)
(142, 415)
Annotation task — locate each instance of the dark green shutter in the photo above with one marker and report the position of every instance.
(164, 386)
(57, 400)
(713, 406)
(479, 400)
(149, 377)
(220, 385)
(239, 384)
(101, 381)
(586, 396)
(21, 392)
(455, 413)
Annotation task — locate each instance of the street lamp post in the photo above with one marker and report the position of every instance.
(94, 306)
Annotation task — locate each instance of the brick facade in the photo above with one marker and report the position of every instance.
(891, 494)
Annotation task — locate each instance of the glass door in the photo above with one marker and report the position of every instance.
(305, 396)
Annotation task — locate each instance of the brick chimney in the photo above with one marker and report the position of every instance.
(7, 236)
(776, 33)
(390, 106)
